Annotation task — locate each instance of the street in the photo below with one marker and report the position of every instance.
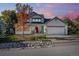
(63, 49)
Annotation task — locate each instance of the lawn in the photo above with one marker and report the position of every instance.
(11, 38)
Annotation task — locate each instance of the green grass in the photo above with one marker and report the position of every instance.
(30, 37)
(12, 38)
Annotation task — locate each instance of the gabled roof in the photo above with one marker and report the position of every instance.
(57, 19)
(33, 14)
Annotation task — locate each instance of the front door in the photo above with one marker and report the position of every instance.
(36, 29)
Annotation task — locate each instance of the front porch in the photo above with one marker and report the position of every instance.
(34, 29)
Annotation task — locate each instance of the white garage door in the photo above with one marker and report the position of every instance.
(56, 30)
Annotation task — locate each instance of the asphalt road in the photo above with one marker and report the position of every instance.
(64, 49)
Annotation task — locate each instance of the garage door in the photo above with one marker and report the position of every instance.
(56, 30)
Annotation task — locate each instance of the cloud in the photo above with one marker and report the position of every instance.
(47, 13)
(60, 10)
(52, 5)
(72, 14)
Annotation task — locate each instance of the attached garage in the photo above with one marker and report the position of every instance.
(56, 30)
(56, 27)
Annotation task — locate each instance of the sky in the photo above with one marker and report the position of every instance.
(49, 10)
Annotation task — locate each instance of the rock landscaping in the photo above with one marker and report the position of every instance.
(26, 44)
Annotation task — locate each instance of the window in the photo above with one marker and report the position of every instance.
(36, 20)
(33, 20)
(39, 20)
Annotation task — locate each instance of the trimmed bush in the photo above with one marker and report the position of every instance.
(8, 39)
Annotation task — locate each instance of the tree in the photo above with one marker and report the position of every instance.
(9, 17)
(23, 13)
(13, 18)
(77, 24)
(71, 25)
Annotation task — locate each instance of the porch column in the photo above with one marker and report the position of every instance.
(42, 29)
(45, 29)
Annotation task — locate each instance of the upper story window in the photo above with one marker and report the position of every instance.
(39, 20)
(36, 20)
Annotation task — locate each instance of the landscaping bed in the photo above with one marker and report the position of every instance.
(27, 44)
(31, 41)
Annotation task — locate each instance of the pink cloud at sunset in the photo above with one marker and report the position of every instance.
(61, 10)
(47, 13)
(72, 14)
(50, 14)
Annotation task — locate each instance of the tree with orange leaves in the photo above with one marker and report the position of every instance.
(23, 13)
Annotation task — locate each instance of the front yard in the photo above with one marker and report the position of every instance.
(12, 38)
(16, 38)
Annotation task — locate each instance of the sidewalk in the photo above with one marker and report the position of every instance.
(64, 41)
(63, 36)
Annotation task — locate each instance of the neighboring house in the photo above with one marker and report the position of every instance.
(39, 25)
(2, 28)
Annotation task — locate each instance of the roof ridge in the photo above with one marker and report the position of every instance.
(56, 18)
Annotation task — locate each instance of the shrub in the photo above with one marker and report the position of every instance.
(11, 37)
(8, 39)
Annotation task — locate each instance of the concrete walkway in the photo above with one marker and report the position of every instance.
(57, 41)
(63, 36)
